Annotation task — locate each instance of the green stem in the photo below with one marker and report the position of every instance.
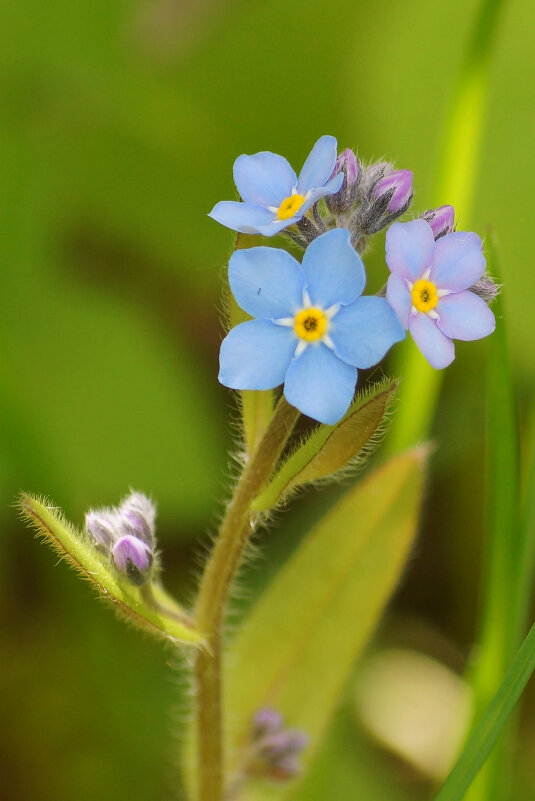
(224, 561)
(458, 171)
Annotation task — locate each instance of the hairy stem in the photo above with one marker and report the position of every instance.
(224, 561)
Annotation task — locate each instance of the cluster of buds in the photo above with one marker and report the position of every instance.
(370, 198)
(127, 535)
(275, 749)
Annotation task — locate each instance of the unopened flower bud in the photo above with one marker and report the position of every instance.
(138, 517)
(396, 189)
(276, 750)
(441, 220)
(486, 288)
(133, 558)
(388, 195)
(266, 721)
(347, 163)
(102, 526)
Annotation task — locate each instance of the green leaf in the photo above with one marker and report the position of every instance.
(330, 448)
(491, 724)
(297, 647)
(151, 608)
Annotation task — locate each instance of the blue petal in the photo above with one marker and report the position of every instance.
(464, 315)
(266, 282)
(364, 331)
(318, 167)
(409, 248)
(334, 271)
(276, 226)
(241, 216)
(399, 297)
(458, 261)
(330, 188)
(320, 385)
(256, 355)
(264, 179)
(437, 348)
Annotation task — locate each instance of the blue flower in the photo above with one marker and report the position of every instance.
(429, 288)
(274, 197)
(311, 329)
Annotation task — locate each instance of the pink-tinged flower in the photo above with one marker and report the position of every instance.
(429, 288)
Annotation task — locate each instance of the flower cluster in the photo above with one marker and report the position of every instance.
(127, 535)
(312, 329)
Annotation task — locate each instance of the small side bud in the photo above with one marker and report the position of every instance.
(266, 721)
(389, 196)
(102, 526)
(441, 220)
(275, 750)
(486, 288)
(138, 516)
(133, 558)
(347, 163)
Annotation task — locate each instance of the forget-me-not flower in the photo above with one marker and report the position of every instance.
(272, 194)
(312, 329)
(429, 288)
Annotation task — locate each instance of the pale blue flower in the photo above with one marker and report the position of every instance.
(273, 196)
(311, 328)
(429, 288)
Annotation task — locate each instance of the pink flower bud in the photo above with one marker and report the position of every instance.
(441, 220)
(397, 186)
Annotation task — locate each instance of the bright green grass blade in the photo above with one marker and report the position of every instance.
(163, 617)
(500, 611)
(458, 171)
(299, 643)
(491, 724)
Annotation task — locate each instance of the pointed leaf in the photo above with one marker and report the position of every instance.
(149, 607)
(296, 649)
(330, 448)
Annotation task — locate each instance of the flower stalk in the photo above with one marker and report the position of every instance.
(223, 563)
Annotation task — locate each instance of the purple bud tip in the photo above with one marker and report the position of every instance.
(132, 557)
(399, 184)
(102, 527)
(138, 516)
(348, 163)
(266, 721)
(441, 220)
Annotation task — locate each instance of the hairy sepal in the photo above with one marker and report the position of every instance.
(331, 448)
(149, 607)
(297, 648)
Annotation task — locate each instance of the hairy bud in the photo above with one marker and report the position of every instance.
(133, 558)
(127, 535)
(347, 163)
(388, 196)
(486, 288)
(441, 220)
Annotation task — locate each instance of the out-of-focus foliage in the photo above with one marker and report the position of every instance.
(119, 123)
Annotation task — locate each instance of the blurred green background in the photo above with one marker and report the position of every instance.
(119, 123)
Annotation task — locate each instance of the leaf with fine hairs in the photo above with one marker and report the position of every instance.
(149, 607)
(330, 448)
(296, 649)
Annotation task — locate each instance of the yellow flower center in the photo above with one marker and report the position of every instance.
(290, 206)
(310, 324)
(424, 295)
